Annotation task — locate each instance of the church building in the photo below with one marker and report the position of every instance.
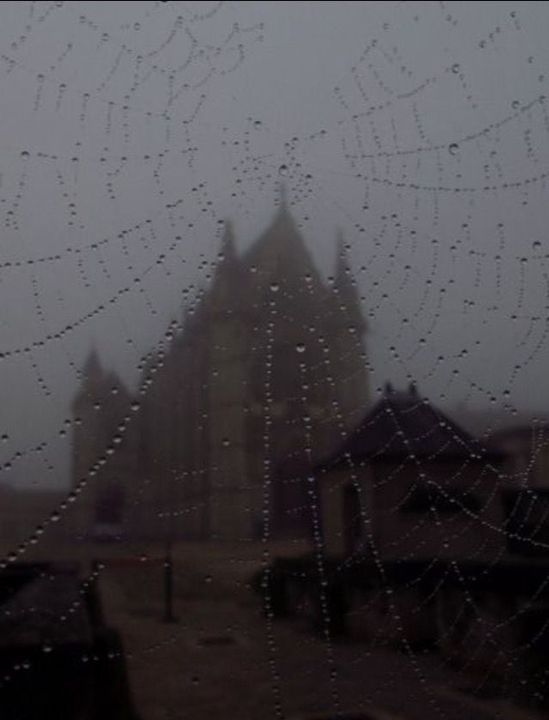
(267, 373)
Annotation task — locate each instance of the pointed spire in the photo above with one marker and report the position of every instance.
(281, 251)
(346, 286)
(226, 281)
(228, 250)
(91, 378)
(282, 196)
(92, 366)
(228, 259)
(342, 258)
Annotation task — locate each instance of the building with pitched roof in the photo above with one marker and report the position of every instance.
(409, 483)
(270, 366)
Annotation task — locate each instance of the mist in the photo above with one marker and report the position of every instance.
(131, 132)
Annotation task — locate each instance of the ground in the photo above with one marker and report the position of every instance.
(223, 658)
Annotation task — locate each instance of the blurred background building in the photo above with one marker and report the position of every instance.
(241, 392)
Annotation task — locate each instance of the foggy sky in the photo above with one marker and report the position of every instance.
(130, 131)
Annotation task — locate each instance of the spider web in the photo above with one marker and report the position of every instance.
(128, 138)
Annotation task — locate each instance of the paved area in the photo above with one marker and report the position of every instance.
(223, 659)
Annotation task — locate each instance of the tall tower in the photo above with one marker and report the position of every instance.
(348, 331)
(269, 371)
(229, 502)
(88, 429)
(101, 454)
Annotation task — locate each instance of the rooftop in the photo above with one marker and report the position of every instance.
(401, 424)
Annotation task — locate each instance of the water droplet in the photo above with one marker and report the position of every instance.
(455, 68)
(300, 348)
(275, 287)
(453, 149)
(283, 170)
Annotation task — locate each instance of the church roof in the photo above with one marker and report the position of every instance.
(92, 366)
(280, 258)
(281, 249)
(224, 293)
(403, 424)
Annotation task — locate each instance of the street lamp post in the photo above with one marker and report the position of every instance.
(169, 616)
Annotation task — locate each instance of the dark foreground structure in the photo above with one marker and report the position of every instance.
(58, 658)
(420, 543)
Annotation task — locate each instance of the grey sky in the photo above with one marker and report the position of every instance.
(149, 118)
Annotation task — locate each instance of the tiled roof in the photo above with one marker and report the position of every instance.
(403, 424)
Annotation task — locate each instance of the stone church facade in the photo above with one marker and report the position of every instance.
(267, 374)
